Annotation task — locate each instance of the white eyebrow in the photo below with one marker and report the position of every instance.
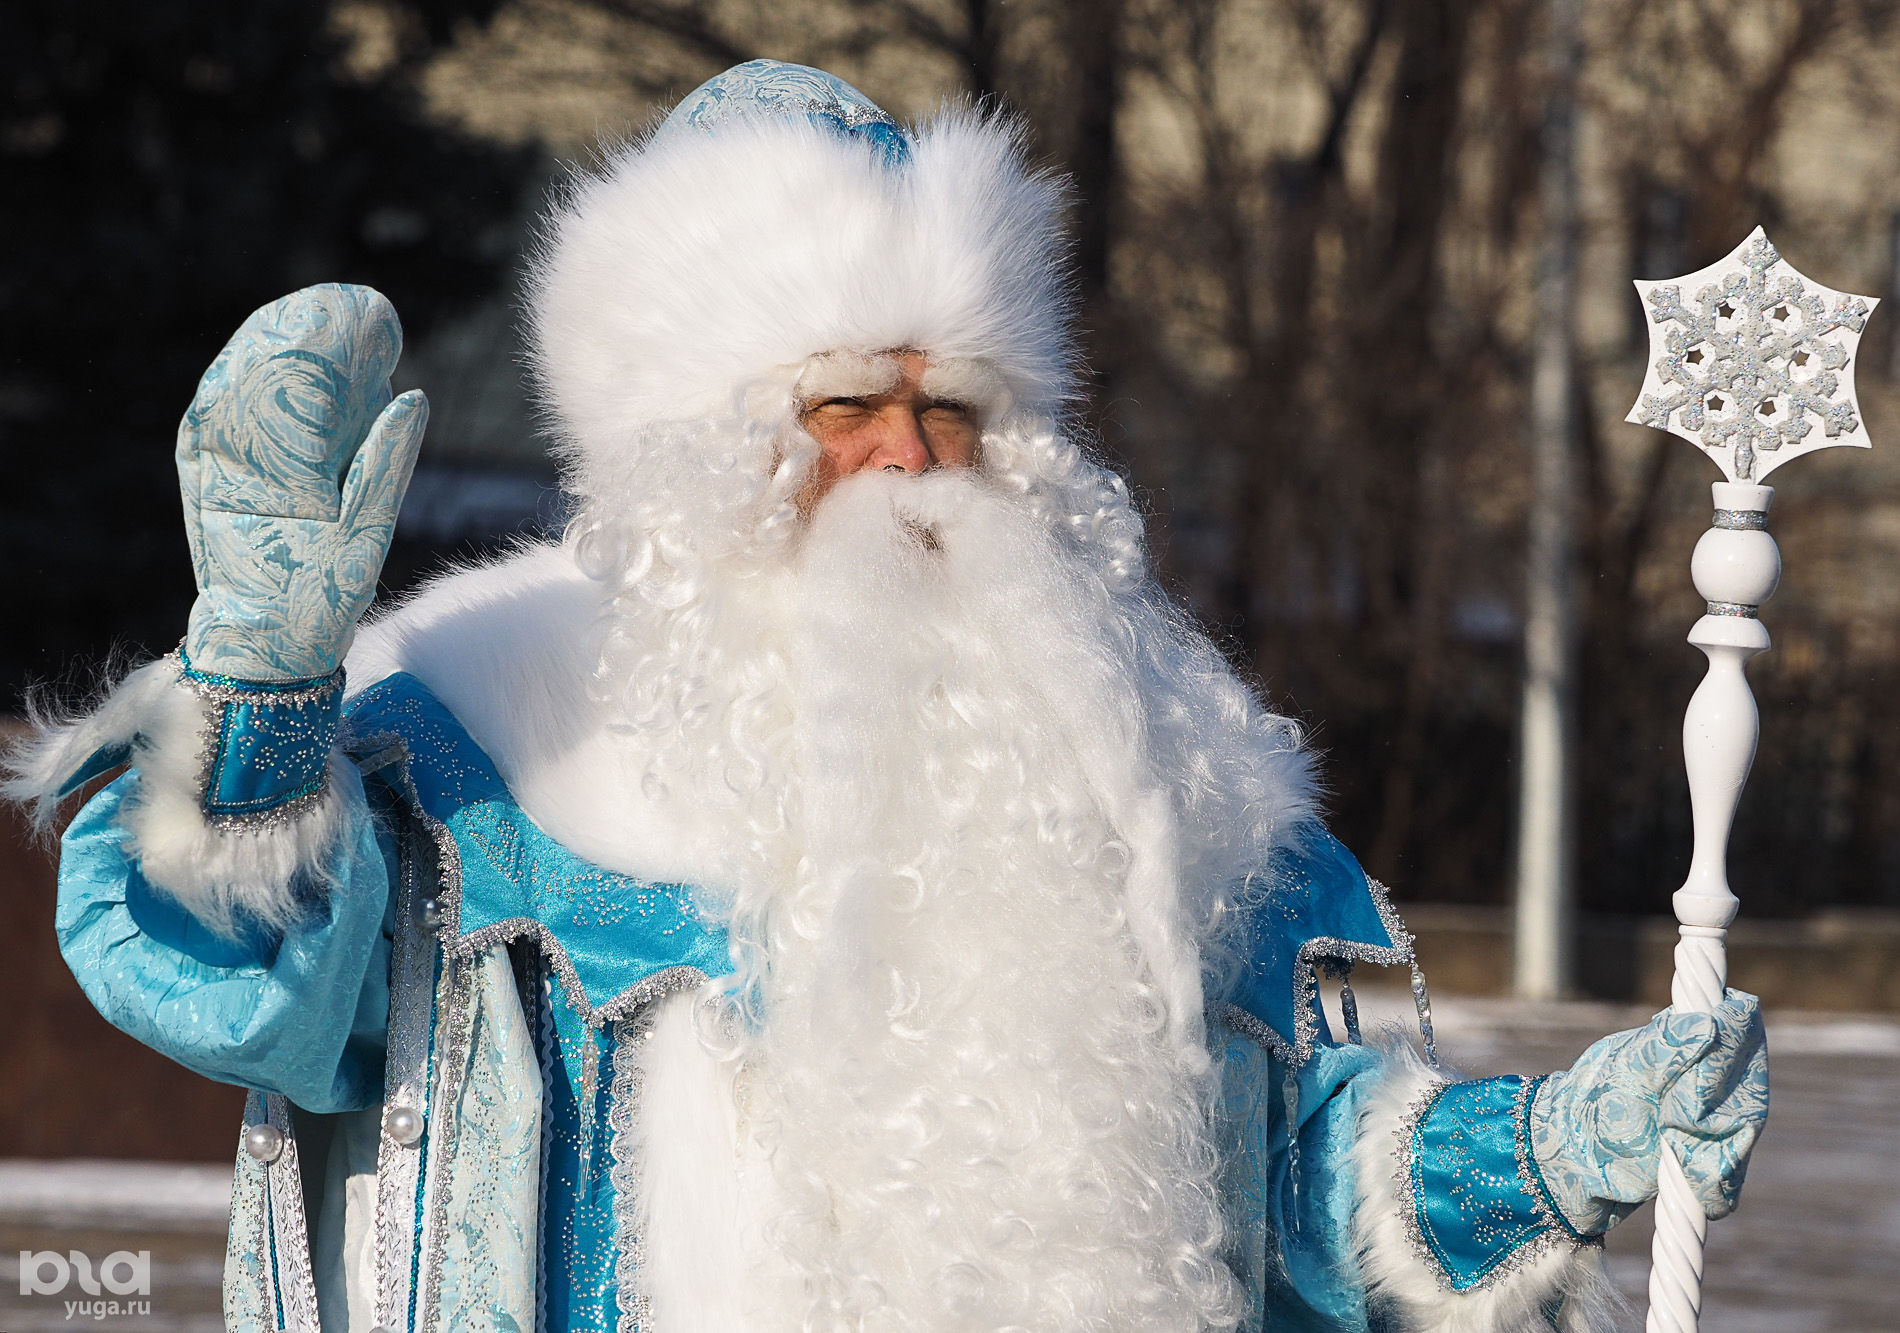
(846, 375)
(970, 381)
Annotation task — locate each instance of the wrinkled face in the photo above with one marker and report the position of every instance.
(893, 412)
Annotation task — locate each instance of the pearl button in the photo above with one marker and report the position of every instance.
(429, 912)
(403, 1125)
(264, 1142)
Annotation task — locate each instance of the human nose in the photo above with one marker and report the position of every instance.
(901, 446)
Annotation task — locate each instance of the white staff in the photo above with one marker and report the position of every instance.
(1747, 359)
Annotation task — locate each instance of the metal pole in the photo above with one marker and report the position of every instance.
(1544, 939)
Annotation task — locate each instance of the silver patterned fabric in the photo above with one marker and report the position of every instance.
(268, 1283)
(1695, 1085)
(292, 463)
(772, 89)
(250, 1280)
(492, 1183)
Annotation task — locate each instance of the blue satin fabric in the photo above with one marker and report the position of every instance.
(579, 1245)
(1292, 1240)
(1311, 895)
(305, 1015)
(273, 743)
(1474, 1192)
(613, 931)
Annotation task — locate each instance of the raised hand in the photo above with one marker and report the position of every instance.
(292, 462)
(1695, 1085)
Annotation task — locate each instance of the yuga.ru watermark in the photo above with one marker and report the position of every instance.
(122, 1273)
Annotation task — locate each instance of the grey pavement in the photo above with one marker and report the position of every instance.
(1814, 1248)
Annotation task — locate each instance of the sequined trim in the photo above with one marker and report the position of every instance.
(630, 1035)
(1529, 1174)
(544, 1050)
(1314, 953)
(1740, 520)
(1554, 1232)
(1741, 609)
(249, 1279)
(457, 945)
(263, 747)
(290, 1236)
(229, 689)
(406, 1081)
(455, 1030)
(627, 1003)
(454, 1015)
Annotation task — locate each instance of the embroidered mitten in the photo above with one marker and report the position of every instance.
(1695, 1085)
(292, 463)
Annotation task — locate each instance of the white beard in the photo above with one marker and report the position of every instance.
(973, 801)
(979, 1086)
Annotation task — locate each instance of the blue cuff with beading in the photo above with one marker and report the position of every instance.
(266, 745)
(1473, 1199)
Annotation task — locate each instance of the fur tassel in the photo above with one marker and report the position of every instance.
(214, 874)
(41, 769)
(1399, 1280)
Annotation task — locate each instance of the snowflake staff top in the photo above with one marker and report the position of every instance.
(1748, 364)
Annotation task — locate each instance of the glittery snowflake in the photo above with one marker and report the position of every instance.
(1752, 361)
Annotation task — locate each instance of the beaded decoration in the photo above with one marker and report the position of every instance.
(1473, 1202)
(265, 752)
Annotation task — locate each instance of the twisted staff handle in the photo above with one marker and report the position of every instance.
(1736, 567)
(1748, 358)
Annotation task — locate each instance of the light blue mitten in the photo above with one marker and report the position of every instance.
(1695, 1085)
(292, 462)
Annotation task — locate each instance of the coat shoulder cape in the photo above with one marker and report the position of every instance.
(616, 941)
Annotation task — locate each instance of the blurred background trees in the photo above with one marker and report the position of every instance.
(1305, 231)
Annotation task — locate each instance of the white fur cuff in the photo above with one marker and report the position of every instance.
(1397, 1278)
(214, 873)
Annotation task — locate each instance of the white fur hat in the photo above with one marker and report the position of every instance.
(776, 215)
